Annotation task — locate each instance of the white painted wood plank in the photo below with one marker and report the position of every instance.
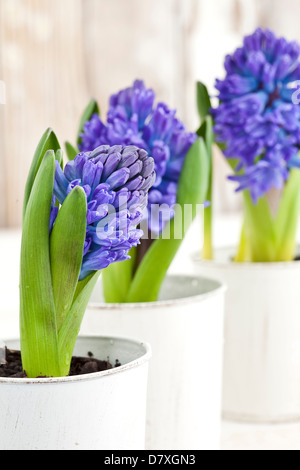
(43, 68)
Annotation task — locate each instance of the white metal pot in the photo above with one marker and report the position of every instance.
(101, 411)
(262, 338)
(185, 330)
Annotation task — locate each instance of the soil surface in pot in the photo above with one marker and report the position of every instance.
(79, 366)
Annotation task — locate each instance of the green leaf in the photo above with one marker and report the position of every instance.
(287, 219)
(71, 151)
(48, 142)
(206, 132)
(192, 190)
(66, 251)
(266, 237)
(59, 156)
(70, 330)
(116, 279)
(244, 249)
(194, 179)
(260, 231)
(203, 101)
(92, 108)
(39, 342)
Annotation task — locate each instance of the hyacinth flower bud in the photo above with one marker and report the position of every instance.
(116, 181)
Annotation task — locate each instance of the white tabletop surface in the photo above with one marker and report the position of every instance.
(235, 436)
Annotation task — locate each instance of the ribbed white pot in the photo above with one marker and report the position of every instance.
(185, 330)
(262, 338)
(101, 411)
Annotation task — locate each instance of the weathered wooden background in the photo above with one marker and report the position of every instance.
(56, 54)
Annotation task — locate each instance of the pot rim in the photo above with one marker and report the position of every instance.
(219, 288)
(88, 377)
(280, 265)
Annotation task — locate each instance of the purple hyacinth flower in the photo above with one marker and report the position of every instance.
(260, 178)
(116, 181)
(134, 103)
(95, 134)
(133, 119)
(256, 118)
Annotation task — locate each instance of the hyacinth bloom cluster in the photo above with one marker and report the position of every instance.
(116, 181)
(133, 119)
(256, 118)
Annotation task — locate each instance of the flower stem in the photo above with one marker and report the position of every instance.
(208, 252)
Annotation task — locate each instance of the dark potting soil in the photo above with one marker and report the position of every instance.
(79, 366)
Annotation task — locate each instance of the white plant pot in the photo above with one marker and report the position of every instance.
(101, 411)
(262, 338)
(185, 330)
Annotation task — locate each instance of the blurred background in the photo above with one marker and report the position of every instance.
(55, 55)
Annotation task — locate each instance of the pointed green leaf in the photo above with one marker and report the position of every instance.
(66, 251)
(59, 156)
(260, 230)
(287, 219)
(206, 132)
(192, 190)
(267, 237)
(71, 151)
(39, 342)
(92, 108)
(193, 183)
(48, 142)
(203, 101)
(243, 254)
